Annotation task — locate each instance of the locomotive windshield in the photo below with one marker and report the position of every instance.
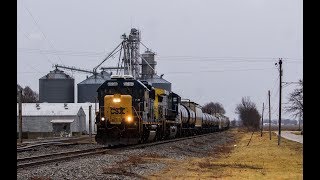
(123, 87)
(122, 90)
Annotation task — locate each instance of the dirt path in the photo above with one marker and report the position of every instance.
(293, 137)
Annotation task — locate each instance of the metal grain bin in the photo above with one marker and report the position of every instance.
(147, 71)
(87, 89)
(159, 82)
(56, 87)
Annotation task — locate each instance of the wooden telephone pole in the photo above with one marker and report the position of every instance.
(262, 119)
(269, 116)
(90, 122)
(20, 116)
(280, 93)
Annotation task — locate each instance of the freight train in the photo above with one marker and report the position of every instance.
(131, 111)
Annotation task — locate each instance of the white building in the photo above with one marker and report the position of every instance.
(48, 119)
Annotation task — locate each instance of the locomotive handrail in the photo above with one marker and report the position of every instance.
(139, 117)
(137, 112)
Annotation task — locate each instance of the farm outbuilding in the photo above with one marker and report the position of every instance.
(51, 119)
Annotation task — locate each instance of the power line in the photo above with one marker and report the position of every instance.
(82, 54)
(25, 72)
(67, 53)
(23, 32)
(226, 57)
(224, 60)
(188, 72)
(30, 40)
(37, 24)
(275, 83)
(237, 57)
(162, 58)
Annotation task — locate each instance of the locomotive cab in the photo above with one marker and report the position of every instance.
(123, 104)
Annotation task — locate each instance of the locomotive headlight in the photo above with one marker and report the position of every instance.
(102, 119)
(116, 100)
(129, 119)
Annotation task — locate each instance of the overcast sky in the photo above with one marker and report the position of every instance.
(210, 50)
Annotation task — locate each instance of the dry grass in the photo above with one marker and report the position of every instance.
(262, 159)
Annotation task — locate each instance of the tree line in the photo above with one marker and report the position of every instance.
(28, 95)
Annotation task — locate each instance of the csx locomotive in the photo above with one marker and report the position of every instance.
(132, 111)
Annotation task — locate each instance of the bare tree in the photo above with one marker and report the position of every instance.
(28, 95)
(295, 100)
(18, 90)
(248, 113)
(213, 108)
(233, 123)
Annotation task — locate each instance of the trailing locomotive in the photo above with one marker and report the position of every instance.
(132, 111)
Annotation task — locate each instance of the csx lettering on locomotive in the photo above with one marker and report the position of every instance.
(119, 110)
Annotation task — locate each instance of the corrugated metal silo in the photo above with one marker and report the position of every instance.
(147, 71)
(56, 87)
(87, 89)
(159, 82)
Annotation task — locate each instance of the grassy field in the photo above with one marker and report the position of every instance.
(262, 159)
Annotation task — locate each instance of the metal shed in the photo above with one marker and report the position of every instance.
(51, 119)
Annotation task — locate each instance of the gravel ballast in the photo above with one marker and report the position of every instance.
(122, 164)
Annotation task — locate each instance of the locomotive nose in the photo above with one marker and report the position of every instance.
(116, 98)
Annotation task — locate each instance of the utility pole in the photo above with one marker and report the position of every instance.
(269, 116)
(95, 114)
(90, 127)
(280, 93)
(262, 119)
(299, 121)
(20, 116)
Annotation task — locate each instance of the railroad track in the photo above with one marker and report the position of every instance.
(55, 157)
(47, 158)
(28, 146)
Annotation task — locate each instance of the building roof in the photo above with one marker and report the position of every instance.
(62, 120)
(157, 79)
(49, 109)
(56, 74)
(98, 79)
